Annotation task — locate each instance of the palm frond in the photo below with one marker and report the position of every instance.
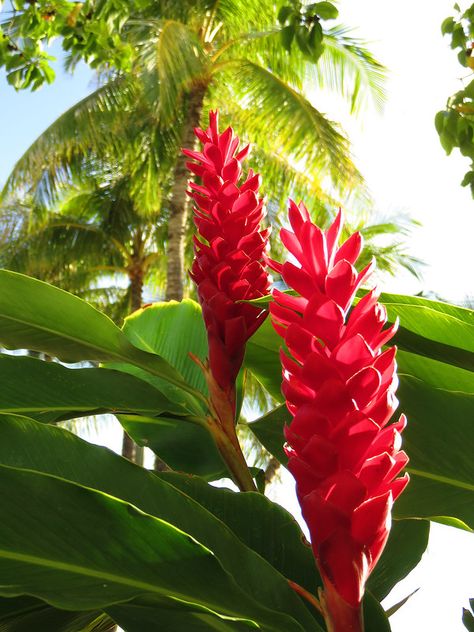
(347, 67)
(172, 58)
(382, 242)
(60, 152)
(240, 16)
(282, 120)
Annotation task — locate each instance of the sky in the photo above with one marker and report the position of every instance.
(399, 152)
(408, 172)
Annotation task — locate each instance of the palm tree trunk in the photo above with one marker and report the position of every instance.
(179, 204)
(130, 450)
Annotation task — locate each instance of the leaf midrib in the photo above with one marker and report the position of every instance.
(63, 335)
(109, 355)
(79, 407)
(115, 579)
(86, 571)
(441, 479)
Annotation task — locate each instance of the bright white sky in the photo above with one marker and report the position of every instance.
(407, 171)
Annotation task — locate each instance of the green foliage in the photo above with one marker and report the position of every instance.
(436, 363)
(87, 538)
(408, 536)
(302, 25)
(93, 30)
(124, 554)
(467, 617)
(176, 48)
(23, 614)
(179, 551)
(63, 326)
(455, 124)
(56, 393)
(120, 479)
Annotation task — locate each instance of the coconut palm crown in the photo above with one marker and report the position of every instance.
(186, 57)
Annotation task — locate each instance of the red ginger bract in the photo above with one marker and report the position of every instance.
(229, 263)
(339, 387)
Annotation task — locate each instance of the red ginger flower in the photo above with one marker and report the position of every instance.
(339, 386)
(229, 263)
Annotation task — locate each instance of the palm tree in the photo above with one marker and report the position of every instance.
(191, 55)
(86, 244)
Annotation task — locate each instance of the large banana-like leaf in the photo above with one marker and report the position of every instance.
(123, 553)
(290, 554)
(27, 444)
(51, 392)
(25, 614)
(38, 316)
(174, 331)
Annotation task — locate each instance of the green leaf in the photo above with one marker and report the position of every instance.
(28, 444)
(433, 329)
(262, 358)
(439, 122)
(325, 10)
(447, 25)
(284, 13)
(183, 446)
(375, 618)
(393, 609)
(55, 392)
(302, 39)
(172, 330)
(467, 617)
(124, 553)
(436, 373)
(278, 538)
(438, 440)
(136, 617)
(38, 316)
(405, 546)
(269, 431)
(315, 40)
(25, 614)
(287, 34)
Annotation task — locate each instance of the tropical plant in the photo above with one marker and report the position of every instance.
(455, 124)
(93, 243)
(102, 541)
(172, 59)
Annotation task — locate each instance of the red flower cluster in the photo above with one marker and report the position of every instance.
(229, 262)
(339, 386)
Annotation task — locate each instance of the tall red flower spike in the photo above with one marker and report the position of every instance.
(339, 387)
(229, 263)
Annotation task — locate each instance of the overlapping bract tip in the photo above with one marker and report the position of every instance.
(340, 389)
(230, 262)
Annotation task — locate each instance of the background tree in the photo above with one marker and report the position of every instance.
(455, 124)
(187, 55)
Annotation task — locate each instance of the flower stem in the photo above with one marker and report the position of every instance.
(221, 424)
(339, 615)
(233, 457)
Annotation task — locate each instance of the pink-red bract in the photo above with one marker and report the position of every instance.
(339, 387)
(229, 264)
